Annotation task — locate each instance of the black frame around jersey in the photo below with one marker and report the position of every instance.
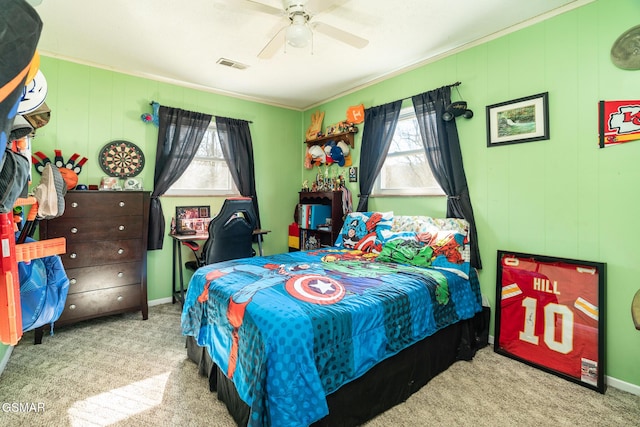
(541, 302)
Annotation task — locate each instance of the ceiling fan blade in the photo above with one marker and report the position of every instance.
(321, 6)
(340, 35)
(274, 45)
(264, 8)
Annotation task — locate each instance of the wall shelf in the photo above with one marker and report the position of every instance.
(347, 137)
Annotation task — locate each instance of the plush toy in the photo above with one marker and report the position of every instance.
(337, 155)
(318, 155)
(152, 118)
(327, 151)
(308, 158)
(344, 147)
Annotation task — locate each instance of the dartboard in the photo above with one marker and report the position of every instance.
(121, 159)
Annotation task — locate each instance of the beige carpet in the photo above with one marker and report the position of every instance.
(123, 371)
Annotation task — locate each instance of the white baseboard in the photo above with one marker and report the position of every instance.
(160, 301)
(622, 385)
(611, 382)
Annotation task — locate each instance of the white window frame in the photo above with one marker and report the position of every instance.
(407, 113)
(230, 189)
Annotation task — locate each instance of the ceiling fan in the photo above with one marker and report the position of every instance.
(299, 25)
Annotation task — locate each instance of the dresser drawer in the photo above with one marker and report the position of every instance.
(85, 305)
(100, 204)
(103, 276)
(84, 254)
(106, 257)
(86, 228)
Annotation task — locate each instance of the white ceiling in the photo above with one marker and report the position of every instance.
(180, 41)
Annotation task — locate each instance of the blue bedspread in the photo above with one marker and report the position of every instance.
(289, 329)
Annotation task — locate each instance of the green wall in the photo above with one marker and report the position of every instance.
(91, 107)
(562, 197)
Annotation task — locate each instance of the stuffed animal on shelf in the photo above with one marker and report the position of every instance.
(337, 155)
(318, 156)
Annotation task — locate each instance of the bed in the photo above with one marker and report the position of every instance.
(336, 335)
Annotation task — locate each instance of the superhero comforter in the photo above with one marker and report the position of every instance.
(289, 329)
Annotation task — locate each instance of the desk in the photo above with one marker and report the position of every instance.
(178, 293)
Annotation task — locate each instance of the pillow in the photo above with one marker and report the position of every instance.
(427, 224)
(449, 250)
(363, 231)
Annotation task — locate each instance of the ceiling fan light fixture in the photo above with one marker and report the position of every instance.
(298, 34)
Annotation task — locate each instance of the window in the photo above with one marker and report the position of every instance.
(208, 173)
(406, 170)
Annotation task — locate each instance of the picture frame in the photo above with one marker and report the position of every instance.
(519, 120)
(192, 219)
(110, 183)
(353, 174)
(550, 315)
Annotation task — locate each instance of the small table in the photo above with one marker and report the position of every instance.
(178, 294)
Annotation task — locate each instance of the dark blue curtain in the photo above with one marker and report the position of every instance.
(441, 143)
(179, 135)
(237, 148)
(379, 126)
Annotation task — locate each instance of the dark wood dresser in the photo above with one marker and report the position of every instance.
(106, 258)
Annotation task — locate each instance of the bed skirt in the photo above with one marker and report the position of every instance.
(385, 385)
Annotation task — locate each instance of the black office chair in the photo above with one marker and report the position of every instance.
(230, 234)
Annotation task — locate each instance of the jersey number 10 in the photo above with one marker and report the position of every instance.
(552, 311)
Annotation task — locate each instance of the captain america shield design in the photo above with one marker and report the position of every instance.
(315, 289)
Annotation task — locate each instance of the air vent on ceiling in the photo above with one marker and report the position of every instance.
(230, 63)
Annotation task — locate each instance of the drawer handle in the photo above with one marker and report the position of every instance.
(74, 204)
(120, 274)
(72, 307)
(73, 281)
(121, 227)
(73, 255)
(121, 204)
(74, 230)
(120, 251)
(120, 298)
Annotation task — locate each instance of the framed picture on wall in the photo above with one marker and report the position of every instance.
(353, 174)
(519, 120)
(550, 315)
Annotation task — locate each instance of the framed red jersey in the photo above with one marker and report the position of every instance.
(550, 315)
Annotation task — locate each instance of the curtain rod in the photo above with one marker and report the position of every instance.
(451, 85)
(248, 121)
